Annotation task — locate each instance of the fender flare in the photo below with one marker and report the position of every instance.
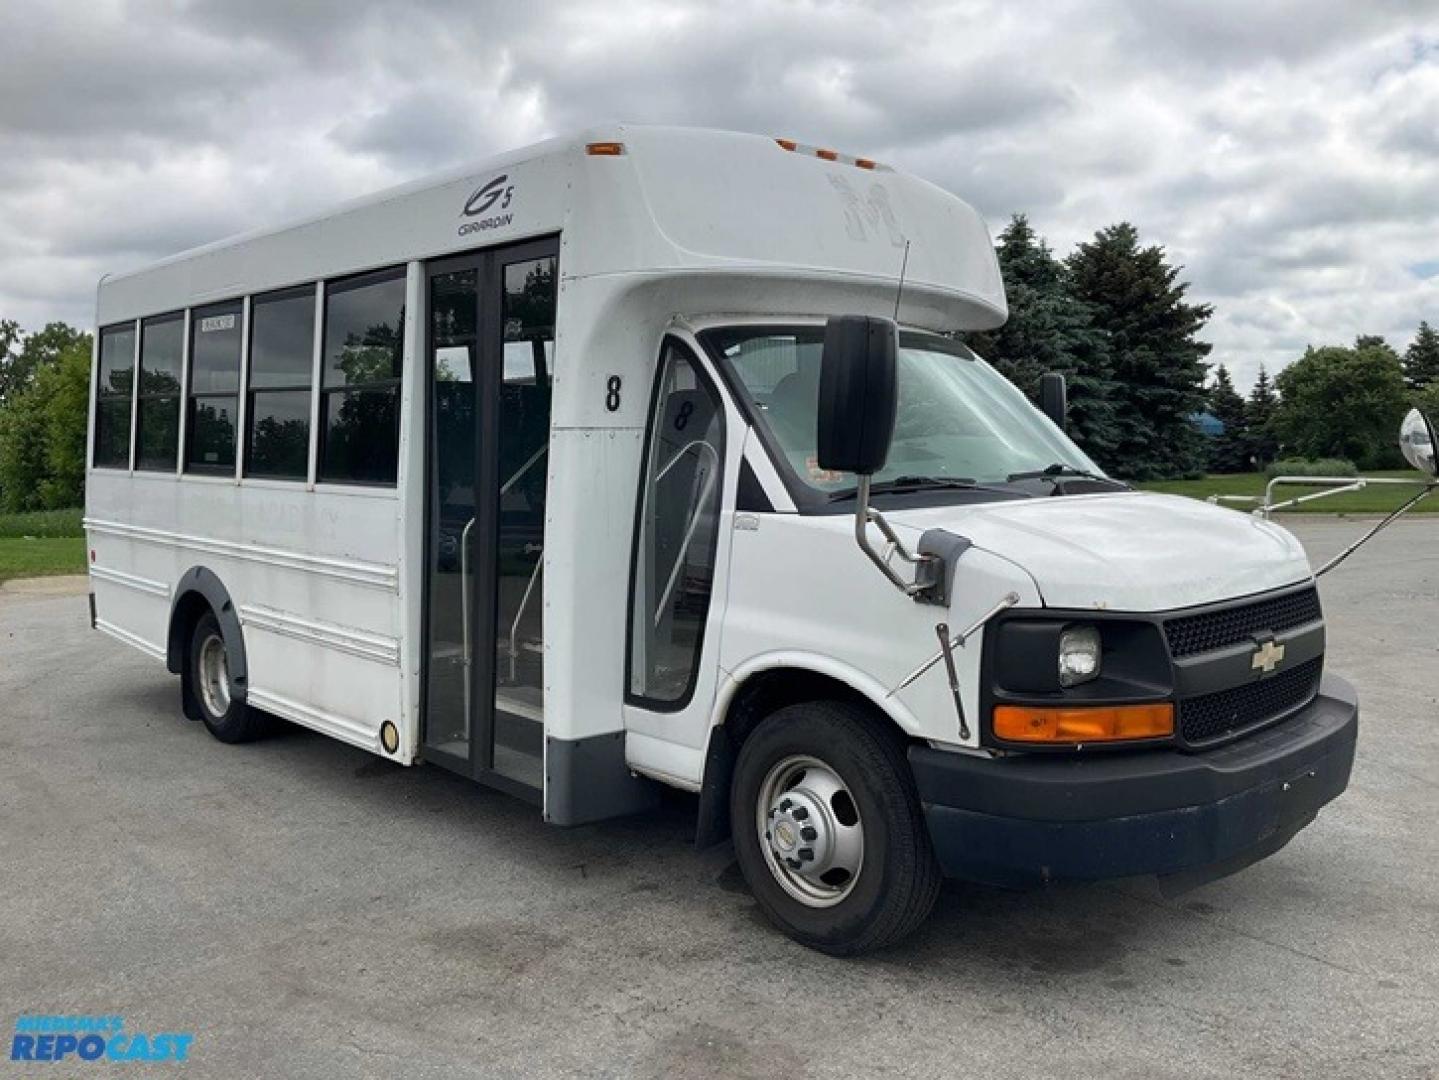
(712, 823)
(819, 664)
(200, 583)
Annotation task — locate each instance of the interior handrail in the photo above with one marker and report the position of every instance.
(694, 518)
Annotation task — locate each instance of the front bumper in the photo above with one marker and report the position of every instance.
(1032, 818)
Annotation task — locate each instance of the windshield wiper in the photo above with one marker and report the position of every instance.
(903, 484)
(1059, 470)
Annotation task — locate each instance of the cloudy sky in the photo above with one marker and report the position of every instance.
(1285, 151)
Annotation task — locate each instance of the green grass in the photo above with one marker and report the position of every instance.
(41, 556)
(41, 544)
(42, 523)
(1377, 499)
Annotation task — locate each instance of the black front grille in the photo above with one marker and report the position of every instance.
(1210, 630)
(1228, 712)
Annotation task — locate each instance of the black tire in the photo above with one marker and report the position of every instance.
(238, 723)
(899, 878)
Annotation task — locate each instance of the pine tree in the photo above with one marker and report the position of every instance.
(1259, 417)
(1229, 451)
(1421, 359)
(1156, 359)
(1049, 330)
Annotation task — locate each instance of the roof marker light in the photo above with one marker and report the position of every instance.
(605, 149)
(824, 154)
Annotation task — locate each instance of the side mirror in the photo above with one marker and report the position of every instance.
(857, 393)
(1417, 441)
(1054, 398)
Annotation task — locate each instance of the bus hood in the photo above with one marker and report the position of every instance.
(1127, 551)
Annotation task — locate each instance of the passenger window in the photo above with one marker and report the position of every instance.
(157, 433)
(678, 531)
(282, 358)
(113, 387)
(360, 389)
(215, 334)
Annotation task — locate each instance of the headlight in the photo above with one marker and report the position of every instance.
(1079, 651)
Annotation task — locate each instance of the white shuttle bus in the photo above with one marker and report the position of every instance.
(651, 457)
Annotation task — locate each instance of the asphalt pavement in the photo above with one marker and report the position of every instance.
(306, 909)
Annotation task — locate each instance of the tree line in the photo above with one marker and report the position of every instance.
(1338, 401)
(44, 406)
(1113, 316)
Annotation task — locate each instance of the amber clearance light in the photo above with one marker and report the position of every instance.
(1083, 724)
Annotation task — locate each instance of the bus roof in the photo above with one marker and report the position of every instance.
(626, 199)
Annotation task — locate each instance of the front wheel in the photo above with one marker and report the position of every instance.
(828, 829)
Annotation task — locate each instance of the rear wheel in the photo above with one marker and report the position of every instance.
(228, 719)
(828, 829)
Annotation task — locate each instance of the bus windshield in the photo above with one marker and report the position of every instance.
(957, 419)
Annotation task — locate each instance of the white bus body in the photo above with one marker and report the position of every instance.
(479, 533)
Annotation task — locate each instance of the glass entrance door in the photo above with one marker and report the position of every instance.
(490, 352)
(453, 512)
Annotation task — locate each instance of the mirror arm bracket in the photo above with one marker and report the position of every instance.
(863, 517)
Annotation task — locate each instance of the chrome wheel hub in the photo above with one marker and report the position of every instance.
(810, 831)
(215, 676)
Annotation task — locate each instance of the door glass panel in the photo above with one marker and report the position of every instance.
(452, 547)
(528, 319)
(679, 532)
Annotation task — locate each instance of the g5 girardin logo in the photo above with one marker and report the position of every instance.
(93, 1038)
(495, 195)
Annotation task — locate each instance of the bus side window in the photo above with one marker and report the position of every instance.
(678, 531)
(282, 343)
(114, 385)
(215, 334)
(157, 422)
(364, 355)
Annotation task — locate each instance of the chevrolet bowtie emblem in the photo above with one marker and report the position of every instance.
(1267, 657)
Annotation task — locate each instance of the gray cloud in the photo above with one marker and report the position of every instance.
(1222, 35)
(1286, 153)
(68, 74)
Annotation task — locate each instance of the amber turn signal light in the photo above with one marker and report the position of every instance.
(605, 149)
(1083, 723)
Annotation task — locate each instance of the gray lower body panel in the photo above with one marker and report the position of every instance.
(588, 780)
